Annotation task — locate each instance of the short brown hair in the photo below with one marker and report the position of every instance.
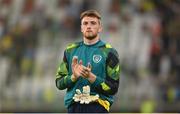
(91, 13)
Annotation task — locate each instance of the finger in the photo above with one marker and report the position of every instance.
(82, 67)
(75, 60)
(84, 74)
(82, 71)
(76, 66)
(86, 69)
(80, 62)
(89, 65)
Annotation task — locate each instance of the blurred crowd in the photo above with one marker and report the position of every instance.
(34, 33)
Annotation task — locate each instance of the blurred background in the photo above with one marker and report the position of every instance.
(34, 34)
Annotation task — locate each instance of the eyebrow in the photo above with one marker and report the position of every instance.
(89, 21)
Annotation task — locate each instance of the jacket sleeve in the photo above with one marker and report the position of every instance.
(109, 85)
(63, 79)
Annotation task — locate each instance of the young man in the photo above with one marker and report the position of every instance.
(89, 62)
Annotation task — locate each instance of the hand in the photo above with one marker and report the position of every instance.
(75, 71)
(91, 76)
(85, 71)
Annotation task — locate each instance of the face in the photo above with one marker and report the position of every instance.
(90, 27)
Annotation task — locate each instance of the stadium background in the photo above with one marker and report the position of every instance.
(34, 33)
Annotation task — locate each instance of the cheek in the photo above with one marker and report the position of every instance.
(97, 30)
(82, 29)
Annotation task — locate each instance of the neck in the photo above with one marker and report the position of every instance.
(90, 42)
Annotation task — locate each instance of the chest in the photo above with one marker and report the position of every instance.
(91, 55)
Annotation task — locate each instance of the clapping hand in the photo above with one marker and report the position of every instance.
(78, 69)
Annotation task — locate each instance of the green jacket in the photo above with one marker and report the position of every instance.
(105, 65)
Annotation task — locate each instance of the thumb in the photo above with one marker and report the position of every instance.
(75, 60)
(80, 62)
(89, 65)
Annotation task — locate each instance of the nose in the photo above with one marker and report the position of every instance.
(88, 25)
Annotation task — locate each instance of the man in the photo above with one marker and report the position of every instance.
(90, 62)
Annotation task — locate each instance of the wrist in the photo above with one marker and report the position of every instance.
(73, 78)
(91, 77)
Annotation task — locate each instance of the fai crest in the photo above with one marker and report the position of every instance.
(97, 58)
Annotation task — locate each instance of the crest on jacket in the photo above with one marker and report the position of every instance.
(97, 58)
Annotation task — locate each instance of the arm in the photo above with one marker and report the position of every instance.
(110, 84)
(63, 79)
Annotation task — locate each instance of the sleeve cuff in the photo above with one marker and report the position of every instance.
(70, 82)
(97, 82)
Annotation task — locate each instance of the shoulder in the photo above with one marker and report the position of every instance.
(72, 46)
(108, 46)
(108, 49)
(112, 56)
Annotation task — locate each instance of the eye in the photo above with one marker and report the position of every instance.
(93, 22)
(85, 23)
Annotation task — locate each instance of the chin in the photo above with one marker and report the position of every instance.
(91, 37)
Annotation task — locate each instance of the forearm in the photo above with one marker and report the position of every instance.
(107, 86)
(64, 82)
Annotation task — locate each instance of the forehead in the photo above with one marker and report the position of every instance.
(88, 18)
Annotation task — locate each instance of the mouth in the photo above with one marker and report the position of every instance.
(88, 31)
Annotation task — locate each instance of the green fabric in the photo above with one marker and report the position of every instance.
(62, 73)
(96, 55)
(113, 72)
(105, 86)
(62, 70)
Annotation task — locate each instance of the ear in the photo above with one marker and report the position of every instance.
(100, 29)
